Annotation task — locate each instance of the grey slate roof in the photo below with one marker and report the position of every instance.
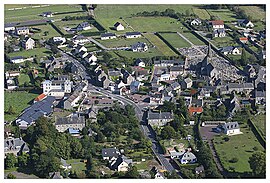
(75, 119)
(232, 125)
(159, 115)
(110, 152)
(132, 33)
(107, 35)
(120, 160)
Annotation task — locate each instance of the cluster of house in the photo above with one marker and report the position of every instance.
(81, 52)
(117, 161)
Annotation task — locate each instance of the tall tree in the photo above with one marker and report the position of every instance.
(167, 132)
(243, 60)
(10, 161)
(257, 164)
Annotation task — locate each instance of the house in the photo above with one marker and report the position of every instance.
(72, 100)
(245, 23)
(219, 32)
(243, 40)
(12, 73)
(102, 79)
(64, 165)
(188, 158)
(83, 26)
(106, 36)
(176, 71)
(15, 145)
(22, 31)
(36, 110)
(135, 86)
(139, 62)
(230, 128)
(118, 26)
(176, 155)
(47, 14)
(110, 154)
(127, 78)
(158, 174)
(260, 97)
(165, 77)
(75, 122)
(139, 47)
(167, 63)
(186, 83)
(230, 50)
(60, 40)
(56, 88)
(121, 164)
(28, 43)
(80, 48)
(9, 27)
(91, 58)
(82, 54)
(217, 24)
(195, 110)
(133, 35)
(196, 22)
(159, 118)
(199, 169)
(176, 86)
(79, 39)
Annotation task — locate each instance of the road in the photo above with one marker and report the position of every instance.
(146, 129)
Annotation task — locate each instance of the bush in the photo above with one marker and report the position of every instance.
(226, 139)
(234, 160)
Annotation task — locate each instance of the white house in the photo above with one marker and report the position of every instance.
(80, 39)
(217, 24)
(61, 40)
(47, 14)
(196, 21)
(22, 31)
(83, 26)
(139, 47)
(186, 83)
(9, 27)
(106, 36)
(139, 63)
(118, 26)
(230, 50)
(28, 43)
(164, 77)
(56, 87)
(133, 35)
(121, 164)
(91, 58)
(188, 158)
(80, 48)
(245, 23)
(17, 60)
(230, 128)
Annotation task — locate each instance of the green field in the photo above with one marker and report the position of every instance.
(45, 28)
(202, 13)
(109, 22)
(240, 147)
(23, 78)
(255, 12)
(260, 122)
(161, 46)
(223, 14)
(223, 41)
(153, 24)
(76, 165)
(39, 52)
(122, 42)
(30, 13)
(175, 40)
(19, 101)
(152, 52)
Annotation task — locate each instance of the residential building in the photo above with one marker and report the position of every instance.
(57, 88)
(76, 122)
(243, 40)
(91, 58)
(167, 63)
(83, 26)
(80, 48)
(234, 50)
(133, 35)
(110, 154)
(135, 86)
(217, 24)
(22, 31)
(139, 62)
(176, 71)
(28, 43)
(36, 110)
(196, 22)
(12, 73)
(106, 36)
(219, 32)
(80, 39)
(118, 26)
(139, 47)
(186, 83)
(245, 23)
(72, 101)
(9, 27)
(199, 169)
(240, 87)
(260, 97)
(188, 158)
(230, 128)
(15, 145)
(121, 164)
(159, 118)
(64, 165)
(47, 14)
(60, 40)
(55, 175)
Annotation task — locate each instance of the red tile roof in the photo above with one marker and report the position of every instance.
(217, 22)
(192, 110)
(40, 97)
(243, 38)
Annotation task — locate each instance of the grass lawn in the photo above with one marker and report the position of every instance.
(23, 78)
(175, 40)
(224, 14)
(32, 13)
(260, 122)
(143, 165)
(154, 24)
(202, 13)
(19, 100)
(258, 26)
(109, 22)
(255, 12)
(152, 52)
(77, 165)
(122, 42)
(39, 52)
(240, 147)
(193, 38)
(40, 35)
(223, 41)
(161, 46)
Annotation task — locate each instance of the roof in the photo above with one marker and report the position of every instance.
(110, 152)
(73, 131)
(199, 168)
(189, 155)
(16, 58)
(15, 144)
(187, 80)
(135, 83)
(74, 119)
(159, 115)
(217, 22)
(40, 97)
(138, 45)
(117, 24)
(21, 28)
(260, 93)
(243, 38)
(191, 110)
(132, 33)
(119, 160)
(107, 35)
(231, 125)
(227, 49)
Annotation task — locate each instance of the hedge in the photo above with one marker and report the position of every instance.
(168, 44)
(257, 133)
(57, 29)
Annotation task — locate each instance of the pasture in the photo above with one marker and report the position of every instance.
(256, 12)
(175, 40)
(122, 42)
(36, 52)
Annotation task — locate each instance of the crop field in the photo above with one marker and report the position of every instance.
(175, 40)
(122, 42)
(19, 101)
(39, 52)
(224, 14)
(239, 146)
(29, 12)
(160, 45)
(256, 12)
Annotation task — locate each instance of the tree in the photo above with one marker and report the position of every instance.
(11, 176)
(168, 106)
(257, 164)
(167, 132)
(10, 161)
(11, 110)
(243, 60)
(23, 160)
(132, 173)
